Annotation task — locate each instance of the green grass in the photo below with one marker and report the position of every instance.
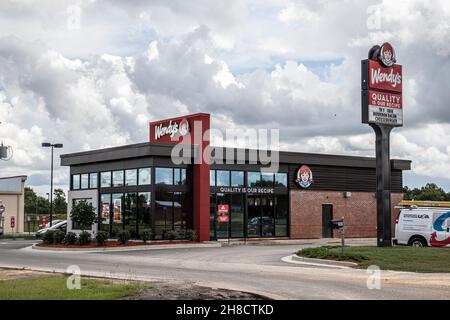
(55, 288)
(425, 260)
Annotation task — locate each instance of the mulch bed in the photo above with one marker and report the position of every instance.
(113, 244)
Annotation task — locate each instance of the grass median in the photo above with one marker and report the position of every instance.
(424, 260)
(55, 288)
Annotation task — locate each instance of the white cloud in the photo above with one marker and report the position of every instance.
(248, 63)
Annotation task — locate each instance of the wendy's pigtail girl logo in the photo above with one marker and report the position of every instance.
(304, 177)
(387, 55)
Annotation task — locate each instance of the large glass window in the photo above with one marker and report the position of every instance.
(179, 176)
(237, 178)
(144, 211)
(254, 215)
(131, 177)
(212, 216)
(163, 213)
(281, 215)
(267, 180)
(223, 178)
(118, 178)
(85, 181)
(105, 212)
(76, 182)
(281, 180)
(145, 176)
(181, 205)
(164, 176)
(105, 179)
(93, 180)
(253, 179)
(130, 214)
(222, 228)
(267, 221)
(212, 178)
(117, 211)
(237, 215)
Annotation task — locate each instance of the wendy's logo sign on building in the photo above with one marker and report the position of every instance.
(304, 177)
(382, 86)
(171, 129)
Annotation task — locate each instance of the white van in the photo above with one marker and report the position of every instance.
(423, 223)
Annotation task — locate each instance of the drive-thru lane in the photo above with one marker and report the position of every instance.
(256, 268)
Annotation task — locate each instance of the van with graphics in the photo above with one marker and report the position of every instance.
(423, 223)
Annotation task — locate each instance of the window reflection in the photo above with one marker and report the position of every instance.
(223, 178)
(76, 182)
(164, 176)
(237, 178)
(253, 179)
(131, 177)
(85, 181)
(93, 180)
(145, 176)
(281, 180)
(212, 178)
(105, 179)
(118, 178)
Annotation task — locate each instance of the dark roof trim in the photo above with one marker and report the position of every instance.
(164, 150)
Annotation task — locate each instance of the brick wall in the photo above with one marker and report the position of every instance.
(359, 212)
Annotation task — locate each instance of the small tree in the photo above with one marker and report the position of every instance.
(83, 215)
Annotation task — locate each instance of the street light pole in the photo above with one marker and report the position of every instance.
(51, 145)
(51, 190)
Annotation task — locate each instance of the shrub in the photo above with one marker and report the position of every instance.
(58, 236)
(171, 235)
(85, 238)
(47, 238)
(123, 236)
(83, 214)
(146, 235)
(191, 235)
(70, 238)
(101, 237)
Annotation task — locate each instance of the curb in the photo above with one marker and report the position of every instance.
(294, 259)
(124, 249)
(324, 261)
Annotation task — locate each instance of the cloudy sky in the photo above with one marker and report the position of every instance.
(92, 74)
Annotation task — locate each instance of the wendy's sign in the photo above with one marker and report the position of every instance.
(382, 78)
(169, 131)
(382, 109)
(382, 86)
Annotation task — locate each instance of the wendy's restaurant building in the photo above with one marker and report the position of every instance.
(178, 182)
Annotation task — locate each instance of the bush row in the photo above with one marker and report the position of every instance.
(85, 238)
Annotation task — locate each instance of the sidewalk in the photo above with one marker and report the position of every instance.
(313, 242)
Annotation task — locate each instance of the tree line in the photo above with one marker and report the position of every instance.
(430, 192)
(35, 204)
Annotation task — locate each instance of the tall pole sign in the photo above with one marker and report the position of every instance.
(382, 109)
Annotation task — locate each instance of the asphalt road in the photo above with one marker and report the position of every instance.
(254, 268)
